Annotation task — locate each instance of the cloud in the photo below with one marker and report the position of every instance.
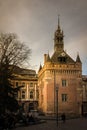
(35, 22)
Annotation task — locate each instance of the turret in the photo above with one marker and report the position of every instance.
(46, 58)
(40, 67)
(78, 59)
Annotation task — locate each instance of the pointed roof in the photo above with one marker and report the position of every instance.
(40, 67)
(78, 58)
(57, 57)
(58, 31)
(48, 58)
(59, 23)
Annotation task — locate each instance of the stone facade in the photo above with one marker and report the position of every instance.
(84, 95)
(60, 73)
(28, 93)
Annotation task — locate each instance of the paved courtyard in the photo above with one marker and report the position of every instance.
(72, 124)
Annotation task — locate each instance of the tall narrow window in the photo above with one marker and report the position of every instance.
(37, 93)
(31, 95)
(16, 84)
(16, 94)
(64, 97)
(23, 94)
(64, 83)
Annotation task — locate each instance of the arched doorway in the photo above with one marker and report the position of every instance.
(31, 106)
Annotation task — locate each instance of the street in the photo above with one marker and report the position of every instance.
(72, 124)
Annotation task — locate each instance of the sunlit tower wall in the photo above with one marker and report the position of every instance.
(62, 71)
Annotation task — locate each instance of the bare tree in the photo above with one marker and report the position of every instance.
(12, 53)
(12, 49)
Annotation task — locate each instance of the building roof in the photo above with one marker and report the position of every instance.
(24, 74)
(57, 56)
(22, 71)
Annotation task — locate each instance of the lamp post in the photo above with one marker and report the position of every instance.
(54, 90)
(57, 104)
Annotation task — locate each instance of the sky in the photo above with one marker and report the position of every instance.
(35, 21)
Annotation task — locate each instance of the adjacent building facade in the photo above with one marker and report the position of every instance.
(28, 94)
(84, 95)
(60, 80)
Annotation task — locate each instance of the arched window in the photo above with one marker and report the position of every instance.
(31, 84)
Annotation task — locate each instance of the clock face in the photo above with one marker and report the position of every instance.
(63, 54)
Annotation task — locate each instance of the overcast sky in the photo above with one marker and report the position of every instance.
(35, 22)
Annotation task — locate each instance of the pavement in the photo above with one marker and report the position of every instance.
(71, 124)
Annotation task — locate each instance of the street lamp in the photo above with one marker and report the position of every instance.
(57, 104)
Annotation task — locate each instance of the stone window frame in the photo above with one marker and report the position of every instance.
(23, 94)
(31, 84)
(31, 94)
(64, 83)
(64, 97)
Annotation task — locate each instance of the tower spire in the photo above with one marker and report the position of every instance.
(58, 21)
(58, 38)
